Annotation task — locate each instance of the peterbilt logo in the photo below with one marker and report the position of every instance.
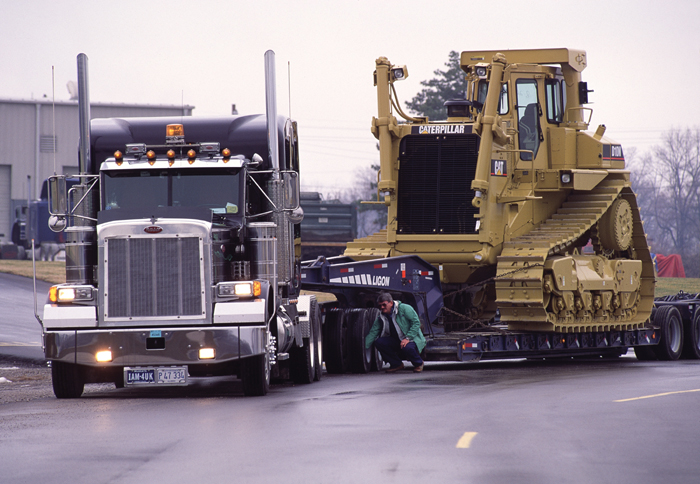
(153, 229)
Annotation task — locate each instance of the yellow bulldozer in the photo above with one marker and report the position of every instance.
(525, 212)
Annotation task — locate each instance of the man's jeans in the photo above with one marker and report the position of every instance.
(392, 353)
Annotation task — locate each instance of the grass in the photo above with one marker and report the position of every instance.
(55, 273)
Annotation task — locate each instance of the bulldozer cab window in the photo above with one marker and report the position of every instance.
(502, 100)
(555, 98)
(528, 117)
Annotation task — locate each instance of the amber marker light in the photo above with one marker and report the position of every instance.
(119, 157)
(53, 294)
(256, 288)
(151, 156)
(226, 153)
(174, 134)
(103, 356)
(171, 157)
(191, 156)
(206, 353)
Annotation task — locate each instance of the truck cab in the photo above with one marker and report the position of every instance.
(182, 256)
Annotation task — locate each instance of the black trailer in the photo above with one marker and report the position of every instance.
(672, 332)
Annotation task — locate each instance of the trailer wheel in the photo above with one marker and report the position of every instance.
(255, 374)
(360, 357)
(318, 339)
(303, 360)
(67, 380)
(671, 326)
(691, 348)
(334, 342)
(377, 361)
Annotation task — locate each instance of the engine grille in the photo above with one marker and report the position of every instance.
(153, 277)
(435, 178)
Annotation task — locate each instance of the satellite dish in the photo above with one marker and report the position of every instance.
(72, 90)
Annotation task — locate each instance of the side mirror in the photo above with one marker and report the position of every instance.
(290, 186)
(58, 196)
(255, 162)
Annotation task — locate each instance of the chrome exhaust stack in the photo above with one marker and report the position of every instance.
(81, 233)
(275, 187)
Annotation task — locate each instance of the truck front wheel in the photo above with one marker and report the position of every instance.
(255, 374)
(67, 380)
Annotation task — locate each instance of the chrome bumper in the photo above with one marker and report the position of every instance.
(164, 346)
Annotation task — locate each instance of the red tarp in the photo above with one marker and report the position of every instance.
(669, 266)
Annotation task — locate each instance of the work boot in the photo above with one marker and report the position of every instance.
(418, 369)
(395, 369)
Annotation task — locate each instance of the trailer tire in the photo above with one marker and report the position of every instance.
(691, 347)
(360, 357)
(377, 361)
(67, 380)
(671, 326)
(255, 375)
(318, 339)
(334, 340)
(303, 360)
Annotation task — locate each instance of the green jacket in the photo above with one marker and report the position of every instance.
(408, 321)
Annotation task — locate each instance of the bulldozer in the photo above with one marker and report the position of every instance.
(529, 216)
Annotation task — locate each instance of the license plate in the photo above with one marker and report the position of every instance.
(161, 375)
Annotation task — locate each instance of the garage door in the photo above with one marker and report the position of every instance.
(5, 206)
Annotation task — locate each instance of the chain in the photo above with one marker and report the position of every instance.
(490, 279)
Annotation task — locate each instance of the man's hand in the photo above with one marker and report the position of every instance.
(404, 342)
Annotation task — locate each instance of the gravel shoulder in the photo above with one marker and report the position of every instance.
(23, 381)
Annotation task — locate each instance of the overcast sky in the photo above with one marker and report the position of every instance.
(643, 59)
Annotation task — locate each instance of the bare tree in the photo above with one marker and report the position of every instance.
(667, 182)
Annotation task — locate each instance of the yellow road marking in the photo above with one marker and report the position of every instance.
(657, 395)
(465, 441)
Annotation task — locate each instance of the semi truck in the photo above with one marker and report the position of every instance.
(31, 224)
(488, 212)
(182, 253)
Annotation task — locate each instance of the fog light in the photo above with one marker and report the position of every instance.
(206, 353)
(103, 356)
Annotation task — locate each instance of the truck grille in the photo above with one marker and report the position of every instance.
(153, 277)
(435, 195)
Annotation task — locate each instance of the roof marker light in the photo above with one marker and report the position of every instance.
(118, 157)
(191, 156)
(171, 157)
(174, 134)
(151, 155)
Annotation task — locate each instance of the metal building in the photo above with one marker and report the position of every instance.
(39, 138)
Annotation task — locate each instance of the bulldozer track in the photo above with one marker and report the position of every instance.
(522, 294)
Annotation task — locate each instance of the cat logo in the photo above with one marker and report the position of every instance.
(498, 168)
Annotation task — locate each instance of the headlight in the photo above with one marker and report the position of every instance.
(238, 289)
(67, 294)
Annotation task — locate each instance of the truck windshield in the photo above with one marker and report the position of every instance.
(216, 189)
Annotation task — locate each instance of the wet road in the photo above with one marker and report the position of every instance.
(618, 421)
(574, 421)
